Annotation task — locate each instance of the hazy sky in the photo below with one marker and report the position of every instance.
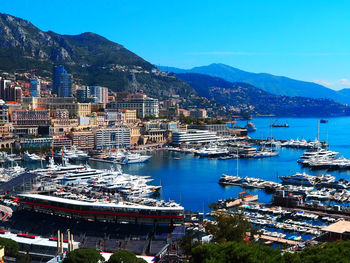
(307, 40)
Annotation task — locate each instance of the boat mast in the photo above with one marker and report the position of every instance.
(237, 161)
(318, 130)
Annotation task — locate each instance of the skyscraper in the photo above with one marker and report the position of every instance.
(101, 93)
(35, 87)
(83, 94)
(62, 82)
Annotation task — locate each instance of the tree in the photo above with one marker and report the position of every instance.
(229, 227)
(124, 256)
(11, 247)
(84, 255)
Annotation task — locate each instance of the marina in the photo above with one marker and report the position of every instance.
(160, 185)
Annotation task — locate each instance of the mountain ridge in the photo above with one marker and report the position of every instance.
(279, 85)
(259, 102)
(88, 56)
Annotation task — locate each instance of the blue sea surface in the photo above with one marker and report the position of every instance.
(193, 181)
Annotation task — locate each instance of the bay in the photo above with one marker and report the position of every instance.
(193, 181)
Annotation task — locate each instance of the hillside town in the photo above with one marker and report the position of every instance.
(38, 113)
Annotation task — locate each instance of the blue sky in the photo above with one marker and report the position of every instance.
(307, 40)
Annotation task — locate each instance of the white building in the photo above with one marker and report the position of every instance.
(118, 137)
(193, 136)
(144, 106)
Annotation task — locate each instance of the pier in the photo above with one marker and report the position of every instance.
(279, 240)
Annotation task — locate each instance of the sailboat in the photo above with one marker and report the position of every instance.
(262, 153)
(231, 179)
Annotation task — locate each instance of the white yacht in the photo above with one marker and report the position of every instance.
(73, 154)
(129, 158)
(212, 151)
(32, 157)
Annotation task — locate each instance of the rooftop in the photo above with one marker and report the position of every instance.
(339, 227)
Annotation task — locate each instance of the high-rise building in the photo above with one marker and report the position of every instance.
(62, 82)
(83, 94)
(35, 87)
(13, 93)
(4, 85)
(101, 93)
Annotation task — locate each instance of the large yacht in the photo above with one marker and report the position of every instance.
(32, 157)
(306, 179)
(73, 154)
(129, 158)
(212, 151)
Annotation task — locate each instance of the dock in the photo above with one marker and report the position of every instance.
(280, 240)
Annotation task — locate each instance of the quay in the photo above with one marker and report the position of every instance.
(279, 240)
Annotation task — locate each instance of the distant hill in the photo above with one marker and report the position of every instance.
(273, 84)
(259, 102)
(93, 58)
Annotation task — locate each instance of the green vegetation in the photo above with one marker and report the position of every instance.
(90, 255)
(229, 227)
(230, 244)
(124, 256)
(234, 252)
(336, 252)
(84, 255)
(11, 247)
(11, 250)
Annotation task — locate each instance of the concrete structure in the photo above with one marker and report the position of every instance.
(198, 113)
(75, 109)
(60, 114)
(38, 117)
(118, 137)
(36, 142)
(144, 107)
(84, 140)
(61, 141)
(193, 136)
(219, 129)
(4, 112)
(184, 112)
(24, 131)
(60, 126)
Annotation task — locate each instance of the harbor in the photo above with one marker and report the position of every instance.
(159, 184)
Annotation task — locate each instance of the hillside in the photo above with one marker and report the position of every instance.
(257, 101)
(273, 84)
(93, 58)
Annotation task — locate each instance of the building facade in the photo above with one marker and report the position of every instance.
(35, 87)
(145, 107)
(109, 138)
(84, 140)
(38, 117)
(193, 136)
(62, 82)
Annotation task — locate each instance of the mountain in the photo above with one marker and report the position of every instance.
(88, 56)
(245, 96)
(273, 84)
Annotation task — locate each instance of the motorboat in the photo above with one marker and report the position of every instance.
(32, 157)
(130, 158)
(230, 179)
